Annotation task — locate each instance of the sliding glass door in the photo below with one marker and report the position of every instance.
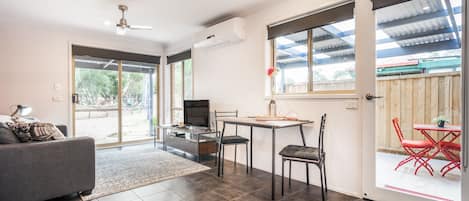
(96, 99)
(115, 101)
(139, 101)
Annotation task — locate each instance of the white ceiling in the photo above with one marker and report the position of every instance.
(172, 20)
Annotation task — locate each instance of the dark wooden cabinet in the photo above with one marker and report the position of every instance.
(195, 141)
(193, 147)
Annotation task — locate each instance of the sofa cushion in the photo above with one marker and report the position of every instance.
(21, 130)
(6, 135)
(45, 132)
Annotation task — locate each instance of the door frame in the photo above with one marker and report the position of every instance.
(366, 83)
(120, 141)
(465, 100)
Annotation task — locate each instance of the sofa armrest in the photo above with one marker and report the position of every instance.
(44, 170)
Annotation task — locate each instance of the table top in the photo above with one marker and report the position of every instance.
(432, 127)
(246, 121)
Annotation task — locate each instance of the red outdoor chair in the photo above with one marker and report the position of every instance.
(448, 149)
(417, 149)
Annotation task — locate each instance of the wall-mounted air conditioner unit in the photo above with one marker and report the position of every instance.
(227, 32)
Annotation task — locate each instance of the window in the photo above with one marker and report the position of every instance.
(334, 57)
(181, 88)
(292, 63)
(315, 54)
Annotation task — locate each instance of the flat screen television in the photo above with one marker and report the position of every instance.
(196, 113)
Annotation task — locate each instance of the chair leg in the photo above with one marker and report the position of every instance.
(325, 176)
(283, 170)
(219, 160)
(322, 185)
(222, 159)
(307, 174)
(247, 159)
(289, 174)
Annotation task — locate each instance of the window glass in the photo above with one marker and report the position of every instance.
(423, 39)
(188, 79)
(177, 92)
(334, 56)
(291, 60)
(182, 89)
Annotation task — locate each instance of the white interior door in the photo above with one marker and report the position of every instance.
(373, 168)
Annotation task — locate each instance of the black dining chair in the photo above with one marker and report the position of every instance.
(230, 140)
(308, 155)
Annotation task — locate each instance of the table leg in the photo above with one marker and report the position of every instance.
(273, 163)
(304, 144)
(425, 162)
(251, 147)
(219, 148)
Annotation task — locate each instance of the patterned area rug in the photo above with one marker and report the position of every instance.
(122, 170)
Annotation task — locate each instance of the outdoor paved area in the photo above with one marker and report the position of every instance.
(435, 187)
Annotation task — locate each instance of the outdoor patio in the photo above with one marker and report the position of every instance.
(423, 184)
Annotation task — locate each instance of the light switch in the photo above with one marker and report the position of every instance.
(58, 98)
(351, 105)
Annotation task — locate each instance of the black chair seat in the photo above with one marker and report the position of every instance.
(300, 152)
(234, 140)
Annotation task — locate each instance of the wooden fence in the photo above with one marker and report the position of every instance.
(415, 99)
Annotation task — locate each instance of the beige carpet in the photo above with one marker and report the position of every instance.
(122, 170)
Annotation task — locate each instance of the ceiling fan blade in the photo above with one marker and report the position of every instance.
(139, 27)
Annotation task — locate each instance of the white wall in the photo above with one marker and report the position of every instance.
(233, 77)
(34, 57)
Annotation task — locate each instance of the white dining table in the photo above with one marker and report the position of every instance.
(273, 125)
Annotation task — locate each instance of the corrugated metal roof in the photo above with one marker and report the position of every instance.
(412, 23)
(407, 10)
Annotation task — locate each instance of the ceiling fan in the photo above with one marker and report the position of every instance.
(123, 27)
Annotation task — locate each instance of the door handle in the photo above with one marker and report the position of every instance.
(369, 96)
(75, 98)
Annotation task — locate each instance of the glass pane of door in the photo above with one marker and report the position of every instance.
(188, 79)
(177, 84)
(139, 100)
(418, 49)
(96, 113)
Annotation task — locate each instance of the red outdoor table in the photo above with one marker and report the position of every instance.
(451, 132)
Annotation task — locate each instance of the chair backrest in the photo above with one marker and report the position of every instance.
(397, 128)
(221, 114)
(321, 134)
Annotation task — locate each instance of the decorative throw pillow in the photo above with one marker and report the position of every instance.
(21, 130)
(45, 132)
(6, 135)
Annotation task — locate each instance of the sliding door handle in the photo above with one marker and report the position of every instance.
(75, 98)
(369, 96)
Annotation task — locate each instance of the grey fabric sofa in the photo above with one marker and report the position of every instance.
(45, 170)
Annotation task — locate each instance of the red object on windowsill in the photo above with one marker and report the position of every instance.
(271, 71)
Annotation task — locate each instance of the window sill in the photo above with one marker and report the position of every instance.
(314, 96)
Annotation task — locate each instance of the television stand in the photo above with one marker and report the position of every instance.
(193, 140)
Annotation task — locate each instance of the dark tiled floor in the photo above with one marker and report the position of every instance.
(206, 186)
